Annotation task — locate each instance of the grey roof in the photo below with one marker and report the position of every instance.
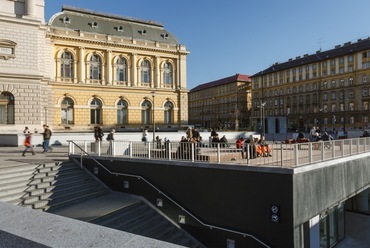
(94, 22)
(339, 50)
(235, 78)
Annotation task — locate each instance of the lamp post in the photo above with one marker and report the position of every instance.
(262, 106)
(153, 95)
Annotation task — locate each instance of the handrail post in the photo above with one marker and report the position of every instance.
(169, 147)
(332, 146)
(295, 154)
(192, 152)
(85, 145)
(322, 151)
(310, 152)
(113, 148)
(99, 151)
(130, 149)
(350, 147)
(281, 154)
(149, 150)
(218, 153)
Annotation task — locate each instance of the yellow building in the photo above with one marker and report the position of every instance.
(110, 70)
(329, 89)
(221, 104)
(84, 68)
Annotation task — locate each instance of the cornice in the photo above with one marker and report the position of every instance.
(54, 37)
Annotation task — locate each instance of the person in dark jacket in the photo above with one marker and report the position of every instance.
(46, 135)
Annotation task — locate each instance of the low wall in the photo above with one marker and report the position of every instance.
(61, 138)
(22, 227)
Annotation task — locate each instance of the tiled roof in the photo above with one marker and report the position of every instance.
(235, 78)
(340, 50)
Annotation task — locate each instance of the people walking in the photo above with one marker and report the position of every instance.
(28, 144)
(110, 139)
(98, 133)
(46, 138)
(145, 136)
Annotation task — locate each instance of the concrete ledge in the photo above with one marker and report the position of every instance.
(22, 227)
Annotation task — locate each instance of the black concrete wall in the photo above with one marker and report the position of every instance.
(233, 197)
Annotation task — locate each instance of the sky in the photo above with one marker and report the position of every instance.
(241, 36)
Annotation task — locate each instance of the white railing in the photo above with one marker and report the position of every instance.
(283, 155)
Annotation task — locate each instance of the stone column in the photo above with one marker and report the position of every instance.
(133, 70)
(109, 67)
(81, 74)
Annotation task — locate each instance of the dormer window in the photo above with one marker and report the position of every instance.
(94, 25)
(143, 32)
(165, 36)
(120, 29)
(66, 20)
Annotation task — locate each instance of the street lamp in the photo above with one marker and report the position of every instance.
(262, 106)
(153, 95)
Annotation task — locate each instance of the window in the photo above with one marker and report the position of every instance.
(66, 111)
(168, 113)
(364, 79)
(95, 111)
(351, 106)
(121, 70)
(350, 58)
(333, 83)
(122, 112)
(95, 68)
(325, 96)
(325, 86)
(365, 92)
(6, 108)
(145, 71)
(167, 75)
(146, 108)
(333, 96)
(332, 62)
(366, 105)
(66, 66)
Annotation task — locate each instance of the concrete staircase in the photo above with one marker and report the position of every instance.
(47, 186)
(139, 218)
(66, 190)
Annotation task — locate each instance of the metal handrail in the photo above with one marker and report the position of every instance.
(166, 196)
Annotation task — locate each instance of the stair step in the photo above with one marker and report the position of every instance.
(46, 205)
(115, 214)
(122, 214)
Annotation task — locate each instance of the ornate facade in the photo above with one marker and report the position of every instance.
(103, 69)
(329, 89)
(221, 104)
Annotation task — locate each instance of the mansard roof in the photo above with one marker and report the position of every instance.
(339, 50)
(94, 22)
(234, 78)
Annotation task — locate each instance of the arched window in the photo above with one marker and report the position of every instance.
(167, 75)
(146, 108)
(122, 112)
(168, 113)
(121, 70)
(66, 112)
(66, 66)
(6, 108)
(145, 71)
(95, 68)
(95, 111)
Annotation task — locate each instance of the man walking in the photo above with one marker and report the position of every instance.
(46, 136)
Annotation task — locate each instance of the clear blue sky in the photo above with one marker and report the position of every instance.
(241, 36)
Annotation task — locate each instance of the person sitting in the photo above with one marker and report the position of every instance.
(265, 148)
(365, 134)
(215, 140)
(224, 142)
(327, 137)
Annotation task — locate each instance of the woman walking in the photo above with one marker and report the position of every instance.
(28, 144)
